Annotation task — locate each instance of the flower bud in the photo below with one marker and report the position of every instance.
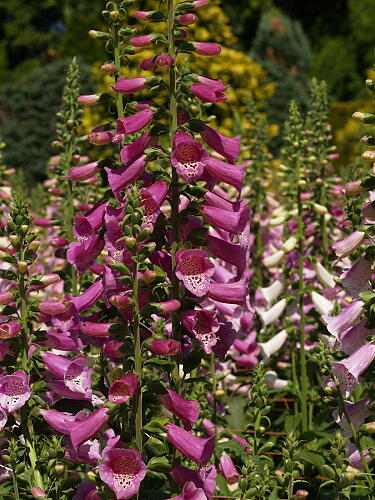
(22, 267)
(219, 394)
(5, 298)
(99, 35)
(120, 301)
(130, 243)
(38, 492)
(368, 156)
(149, 276)
(187, 19)
(369, 427)
(289, 244)
(274, 259)
(301, 494)
(364, 117)
(88, 100)
(14, 240)
(33, 246)
(319, 209)
(108, 68)
(354, 187)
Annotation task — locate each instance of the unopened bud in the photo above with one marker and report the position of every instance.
(301, 494)
(23, 229)
(219, 394)
(369, 427)
(33, 246)
(22, 267)
(99, 35)
(38, 492)
(115, 16)
(14, 240)
(368, 156)
(149, 276)
(364, 117)
(319, 209)
(108, 68)
(302, 183)
(130, 243)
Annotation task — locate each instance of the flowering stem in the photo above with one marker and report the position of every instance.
(356, 439)
(301, 288)
(323, 220)
(137, 354)
(174, 185)
(214, 385)
(69, 227)
(119, 101)
(15, 485)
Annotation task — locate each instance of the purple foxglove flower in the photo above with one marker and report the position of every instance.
(229, 147)
(322, 305)
(188, 157)
(203, 324)
(187, 19)
(228, 469)
(58, 420)
(226, 172)
(133, 123)
(273, 345)
(357, 413)
(122, 471)
(204, 478)
(120, 178)
(85, 226)
(9, 330)
(346, 246)
(5, 298)
(186, 410)
(130, 152)
(87, 453)
(129, 85)
(349, 370)
(190, 492)
(87, 491)
(152, 199)
(208, 90)
(165, 347)
(355, 458)
(354, 338)
(194, 269)
(86, 428)
(88, 100)
(206, 49)
(229, 293)
(199, 450)
(83, 256)
(346, 319)
(142, 41)
(357, 279)
(226, 336)
(52, 307)
(229, 252)
(14, 391)
(74, 373)
(95, 329)
(123, 389)
(231, 217)
(83, 172)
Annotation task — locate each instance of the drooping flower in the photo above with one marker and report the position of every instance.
(346, 319)
(353, 338)
(83, 172)
(194, 269)
(228, 469)
(229, 147)
(131, 152)
(86, 428)
(345, 247)
(325, 278)
(199, 450)
(207, 49)
(9, 330)
(204, 477)
(357, 278)
(190, 492)
(135, 122)
(357, 413)
(129, 85)
(188, 157)
(14, 391)
(208, 90)
(203, 324)
(186, 410)
(152, 199)
(168, 347)
(123, 389)
(120, 178)
(273, 345)
(122, 471)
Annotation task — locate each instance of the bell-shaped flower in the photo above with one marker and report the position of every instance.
(206, 49)
(83, 172)
(168, 347)
(223, 214)
(199, 450)
(135, 122)
(346, 319)
(85, 226)
(186, 410)
(355, 458)
(204, 478)
(122, 471)
(325, 277)
(357, 413)
(120, 178)
(203, 324)
(129, 85)
(345, 247)
(229, 293)
(357, 279)
(87, 491)
(131, 152)
(58, 420)
(190, 492)
(266, 295)
(227, 172)
(194, 269)
(86, 428)
(354, 338)
(229, 147)
(123, 389)
(228, 469)
(273, 314)
(188, 157)
(273, 345)
(349, 370)
(274, 382)
(152, 199)
(231, 253)
(89, 297)
(323, 305)
(9, 330)
(82, 256)
(208, 90)
(14, 391)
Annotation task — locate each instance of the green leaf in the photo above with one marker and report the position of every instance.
(192, 361)
(291, 423)
(232, 447)
(159, 362)
(312, 457)
(222, 485)
(156, 387)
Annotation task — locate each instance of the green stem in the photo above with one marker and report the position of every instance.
(214, 387)
(301, 289)
(119, 101)
(355, 435)
(323, 220)
(15, 484)
(174, 186)
(69, 224)
(137, 356)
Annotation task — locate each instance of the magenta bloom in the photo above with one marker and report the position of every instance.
(58, 420)
(164, 61)
(83, 172)
(346, 246)
(206, 49)
(229, 293)
(228, 469)
(123, 389)
(198, 450)
(228, 252)
(74, 373)
(165, 347)
(14, 391)
(204, 478)
(226, 172)
(229, 147)
(203, 324)
(194, 269)
(354, 338)
(357, 413)
(186, 410)
(82, 256)
(135, 122)
(142, 41)
(349, 370)
(188, 157)
(122, 177)
(122, 471)
(86, 428)
(357, 278)
(88, 100)
(187, 19)
(99, 137)
(208, 90)
(346, 319)
(5, 298)
(129, 85)
(233, 219)
(190, 492)
(152, 199)
(9, 330)
(130, 152)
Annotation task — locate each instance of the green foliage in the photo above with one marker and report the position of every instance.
(28, 117)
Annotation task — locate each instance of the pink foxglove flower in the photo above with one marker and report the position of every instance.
(204, 477)
(9, 330)
(346, 319)
(357, 413)
(346, 246)
(357, 278)
(14, 391)
(135, 122)
(186, 410)
(131, 152)
(194, 269)
(187, 19)
(122, 471)
(208, 90)
(86, 428)
(203, 324)
(83, 172)
(163, 61)
(349, 370)
(229, 147)
(354, 338)
(199, 450)
(206, 49)
(88, 100)
(142, 41)
(123, 389)
(228, 469)
(5, 298)
(165, 347)
(188, 157)
(129, 85)
(122, 177)
(230, 293)
(152, 199)
(190, 492)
